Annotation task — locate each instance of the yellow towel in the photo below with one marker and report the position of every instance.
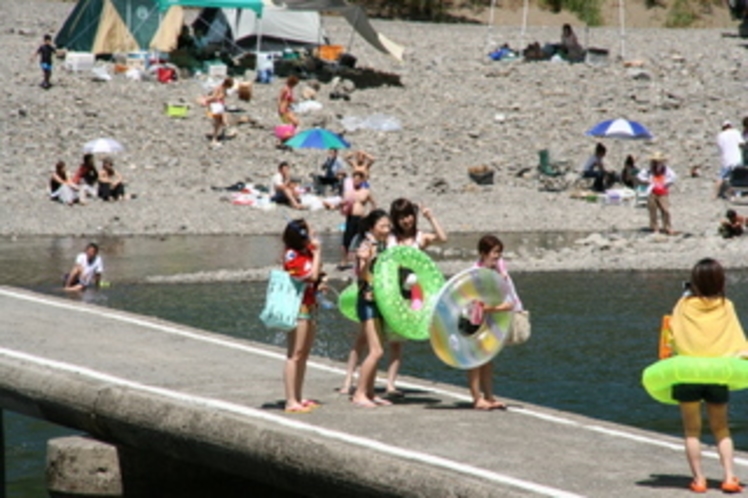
(707, 327)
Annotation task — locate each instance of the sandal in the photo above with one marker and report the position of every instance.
(298, 409)
(310, 403)
(697, 486)
(732, 486)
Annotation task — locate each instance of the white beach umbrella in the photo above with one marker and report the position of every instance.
(103, 146)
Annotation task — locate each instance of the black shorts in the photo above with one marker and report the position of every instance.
(711, 393)
(352, 227)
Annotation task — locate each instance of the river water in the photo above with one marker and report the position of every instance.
(593, 332)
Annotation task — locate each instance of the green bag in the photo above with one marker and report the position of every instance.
(282, 301)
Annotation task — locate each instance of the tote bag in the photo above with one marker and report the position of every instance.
(282, 301)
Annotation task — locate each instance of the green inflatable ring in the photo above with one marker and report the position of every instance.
(347, 302)
(395, 309)
(659, 378)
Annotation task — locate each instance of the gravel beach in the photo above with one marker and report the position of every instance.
(457, 108)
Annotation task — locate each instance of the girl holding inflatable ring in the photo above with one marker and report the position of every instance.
(704, 324)
(480, 379)
(375, 228)
(405, 232)
(302, 260)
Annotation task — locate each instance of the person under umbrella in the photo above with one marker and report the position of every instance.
(595, 168)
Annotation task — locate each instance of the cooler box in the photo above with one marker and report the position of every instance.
(137, 60)
(79, 61)
(177, 110)
(216, 69)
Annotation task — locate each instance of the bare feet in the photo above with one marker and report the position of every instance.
(363, 403)
(482, 404)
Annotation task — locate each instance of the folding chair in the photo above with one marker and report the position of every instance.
(551, 175)
(737, 182)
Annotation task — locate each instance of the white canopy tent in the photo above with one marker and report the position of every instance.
(523, 31)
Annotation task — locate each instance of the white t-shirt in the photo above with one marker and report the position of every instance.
(729, 142)
(89, 269)
(278, 180)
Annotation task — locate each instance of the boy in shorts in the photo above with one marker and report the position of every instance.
(45, 53)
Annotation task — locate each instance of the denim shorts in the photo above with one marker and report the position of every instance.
(367, 310)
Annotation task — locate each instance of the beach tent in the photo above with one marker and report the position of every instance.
(111, 26)
(354, 14)
(526, 9)
(277, 29)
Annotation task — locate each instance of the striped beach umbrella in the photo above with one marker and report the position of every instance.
(317, 138)
(620, 128)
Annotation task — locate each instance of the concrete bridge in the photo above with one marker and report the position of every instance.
(213, 404)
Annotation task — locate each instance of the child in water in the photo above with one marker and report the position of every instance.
(480, 379)
(302, 260)
(704, 324)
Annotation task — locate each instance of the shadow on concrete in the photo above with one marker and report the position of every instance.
(673, 481)
(467, 405)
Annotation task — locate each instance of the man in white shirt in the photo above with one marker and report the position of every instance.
(284, 190)
(87, 270)
(730, 143)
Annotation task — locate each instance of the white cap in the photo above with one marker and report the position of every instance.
(726, 123)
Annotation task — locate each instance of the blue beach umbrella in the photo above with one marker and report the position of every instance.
(620, 128)
(317, 138)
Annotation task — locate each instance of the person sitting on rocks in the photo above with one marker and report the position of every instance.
(87, 270)
(333, 173)
(733, 225)
(86, 178)
(284, 188)
(61, 186)
(570, 48)
(111, 185)
(629, 172)
(595, 168)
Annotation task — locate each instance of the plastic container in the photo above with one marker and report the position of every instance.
(330, 52)
(177, 110)
(79, 61)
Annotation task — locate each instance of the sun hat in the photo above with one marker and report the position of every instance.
(658, 156)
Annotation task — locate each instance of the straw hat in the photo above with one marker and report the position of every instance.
(658, 157)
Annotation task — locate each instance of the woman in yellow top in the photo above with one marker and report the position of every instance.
(704, 324)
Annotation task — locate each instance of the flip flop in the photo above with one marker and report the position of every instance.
(731, 486)
(364, 404)
(381, 401)
(697, 486)
(395, 393)
(310, 403)
(298, 409)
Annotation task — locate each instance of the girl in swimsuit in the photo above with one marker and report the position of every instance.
(216, 103)
(285, 99)
(404, 216)
(376, 228)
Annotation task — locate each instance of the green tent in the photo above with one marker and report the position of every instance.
(255, 5)
(110, 26)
